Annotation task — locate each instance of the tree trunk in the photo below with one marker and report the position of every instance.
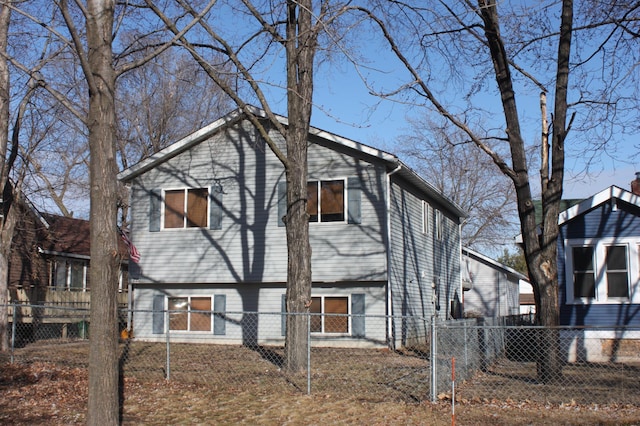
(103, 350)
(540, 250)
(6, 231)
(300, 50)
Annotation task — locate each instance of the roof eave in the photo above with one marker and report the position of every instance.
(179, 147)
(425, 186)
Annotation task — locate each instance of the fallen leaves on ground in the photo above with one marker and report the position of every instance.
(45, 393)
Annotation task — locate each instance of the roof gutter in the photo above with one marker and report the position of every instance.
(389, 296)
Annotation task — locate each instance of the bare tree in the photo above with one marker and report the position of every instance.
(12, 167)
(162, 101)
(97, 65)
(446, 158)
(294, 26)
(5, 236)
(82, 35)
(469, 42)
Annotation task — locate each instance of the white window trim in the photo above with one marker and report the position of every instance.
(345, 200)
(67, 272)
(323, 315)
(426, 215)
(184, 220)
(439, 226)
(188, 330)
(600, 245)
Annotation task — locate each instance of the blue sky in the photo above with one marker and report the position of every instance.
(345, 106)
(350, 111)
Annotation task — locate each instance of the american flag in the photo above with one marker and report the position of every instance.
(134, 254)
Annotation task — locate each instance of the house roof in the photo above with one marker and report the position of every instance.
(394, 164)
(493, 263)
(611, 193)
(575, 208)
(68, 236)
(527, 299)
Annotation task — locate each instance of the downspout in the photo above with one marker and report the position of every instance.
(389, 298)
(460, 266)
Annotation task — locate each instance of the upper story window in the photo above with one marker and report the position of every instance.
(439, 225)
(325, 201)
(335, 200)
(426, 213)
(186, 208)
(602, 271)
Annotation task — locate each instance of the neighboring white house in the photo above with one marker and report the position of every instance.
(494, 289)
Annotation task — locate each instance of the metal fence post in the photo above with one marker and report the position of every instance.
(168, 361)
(13, 331)
(434, 360)
(308, 353)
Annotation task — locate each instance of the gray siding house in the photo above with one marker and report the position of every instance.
(206, 218)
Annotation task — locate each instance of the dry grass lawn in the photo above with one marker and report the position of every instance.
(233, 385)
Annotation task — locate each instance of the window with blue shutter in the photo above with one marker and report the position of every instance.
(326, 200)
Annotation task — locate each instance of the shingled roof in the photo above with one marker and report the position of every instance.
(68, 235)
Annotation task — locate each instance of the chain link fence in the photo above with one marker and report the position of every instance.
(489, 359)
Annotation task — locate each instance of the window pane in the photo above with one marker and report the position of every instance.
(61, 274)
(617, 277)
(617, 258)
(332, 201)
(316, 320)
(617, 282)
(337, 324)
(312, 201)
(584, 282)
(77, 275)
(200, 321)
(584, 285)
(178, 320)
(197, 202)
(174, 209)
(583, 258)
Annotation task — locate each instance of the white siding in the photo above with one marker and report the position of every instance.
(494, 292)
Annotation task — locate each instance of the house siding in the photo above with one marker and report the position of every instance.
(243, 325)
(250, 246)
(609, 220)
(417, 260)
(493, 293)
(241, 262)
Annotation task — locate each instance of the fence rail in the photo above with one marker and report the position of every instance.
(493, 359)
